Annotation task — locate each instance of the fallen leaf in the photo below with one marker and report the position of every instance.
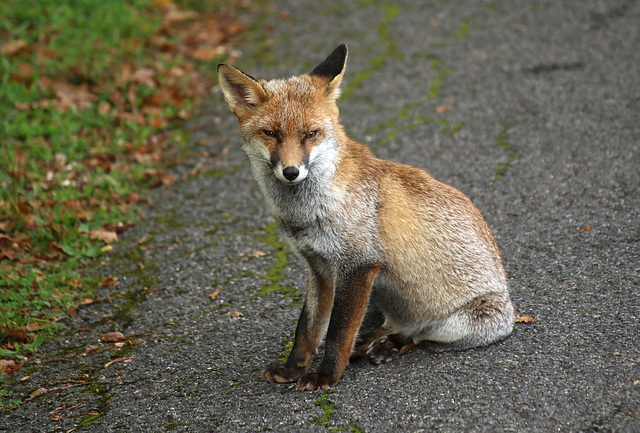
(106, 236)
(112, 337)
(74, 282)
(108, 282)
(12, 47)
(205, 53)
(236, 314)
(159, 178)
(38, 392)
(8, 366)
(585, 229)
(89, 301)
(175, 16)
(215, 294)
(69, 96)
(6, 226)
(523, 319)
(36, 326)
(101, 159)
(19, 335)
(104, 107)
(443, 108)
(145, 77)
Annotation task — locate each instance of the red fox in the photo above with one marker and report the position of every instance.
(386, 243)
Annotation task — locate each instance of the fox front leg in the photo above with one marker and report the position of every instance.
(350, 303)
(309, 332)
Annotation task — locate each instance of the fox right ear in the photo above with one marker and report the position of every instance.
(241, 91)
(332, 69)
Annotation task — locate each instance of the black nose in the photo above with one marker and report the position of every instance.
(290, 173)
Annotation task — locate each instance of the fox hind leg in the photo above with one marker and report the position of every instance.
(484, 320)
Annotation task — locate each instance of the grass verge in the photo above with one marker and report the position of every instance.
(92, 94)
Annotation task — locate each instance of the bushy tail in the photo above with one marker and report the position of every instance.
(485, 319)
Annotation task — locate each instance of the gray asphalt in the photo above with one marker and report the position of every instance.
(532, 109)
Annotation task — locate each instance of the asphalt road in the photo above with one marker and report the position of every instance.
(530, 108)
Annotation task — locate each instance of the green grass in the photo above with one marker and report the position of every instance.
(275, 275)
(327, 409)
(88, 89)
(512, 153)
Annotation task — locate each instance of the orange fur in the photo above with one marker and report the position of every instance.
(378, 236)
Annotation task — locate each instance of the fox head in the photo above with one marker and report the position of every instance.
(287, 124)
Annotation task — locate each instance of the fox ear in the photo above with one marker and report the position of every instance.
(332, 69)
(241, 91)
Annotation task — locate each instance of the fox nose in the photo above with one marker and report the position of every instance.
(290, 173)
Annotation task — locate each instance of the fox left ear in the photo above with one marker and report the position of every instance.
(241, 91)
(332, 69)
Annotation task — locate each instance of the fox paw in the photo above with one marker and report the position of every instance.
(359, 350)
(280, 373)
(382, 351)
(313, 381)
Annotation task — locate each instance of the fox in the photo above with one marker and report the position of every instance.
(396, 258)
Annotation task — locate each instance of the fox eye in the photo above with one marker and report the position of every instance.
(311, 134)
(268, 133)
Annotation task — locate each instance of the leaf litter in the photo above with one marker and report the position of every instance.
(130, 94)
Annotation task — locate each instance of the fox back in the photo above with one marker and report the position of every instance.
(381, 238)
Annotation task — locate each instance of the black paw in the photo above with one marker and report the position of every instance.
(313, 381)
(382, 351)
(280, 373)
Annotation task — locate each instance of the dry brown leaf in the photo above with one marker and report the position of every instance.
(146, 77)
(108, 282)
(36, 326)
(74, 282)
(443, 108)
(215, 294)
(38, 392)
(106, 236)
(523, 319)
(585, 229)
(69, 96)
(101, 159)
(159, 98)
(104, 107)
(89, 301)
(8, 253)
(112, 337)
(236, 314)
(206, 53)
(12, 47)
(19, 335)
(8, 366)
(7, 226)
(175, 16)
